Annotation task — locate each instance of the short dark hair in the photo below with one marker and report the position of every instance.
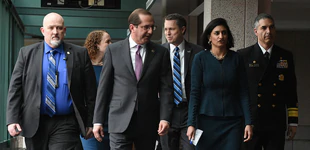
(134, 17)
(180, 20)
(262, 16)
(207, 32)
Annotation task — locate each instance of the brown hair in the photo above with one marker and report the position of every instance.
(134, 17)
(180, 20)
(93, 39)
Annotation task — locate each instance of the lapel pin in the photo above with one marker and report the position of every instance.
(188, 51)
(68, 53)
(254, 61)
(153, 51)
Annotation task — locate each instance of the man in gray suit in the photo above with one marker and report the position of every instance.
(135, 71)
(175, 28)
(52, 91)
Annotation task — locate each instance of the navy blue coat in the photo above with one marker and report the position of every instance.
(218, 89)
(272, 87)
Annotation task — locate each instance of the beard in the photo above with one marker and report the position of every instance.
(56, 43)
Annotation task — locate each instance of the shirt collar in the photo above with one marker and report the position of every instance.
(133, 44)
(181, 47)
(264, 50)
(47, 48)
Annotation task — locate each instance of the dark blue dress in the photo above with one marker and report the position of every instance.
(219, 100)
(92, 143)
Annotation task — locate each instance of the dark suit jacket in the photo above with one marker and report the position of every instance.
(272, 87)
(218, 90)
(119, 89)
(190, 51)
(24, 96)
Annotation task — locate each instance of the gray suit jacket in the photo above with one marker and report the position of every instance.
(24, 96)
(119, 91)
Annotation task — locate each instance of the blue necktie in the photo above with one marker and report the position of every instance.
(51, 85)
(177, 85)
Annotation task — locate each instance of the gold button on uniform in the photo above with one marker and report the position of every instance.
(259, 95)
(275, 84)
(274, 94)
(259, 84)
(273, 105)
(258, 105)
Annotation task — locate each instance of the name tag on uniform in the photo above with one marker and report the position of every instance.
(254, 64)
(282, 64)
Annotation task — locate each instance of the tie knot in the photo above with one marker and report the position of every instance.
(138, 49)
(53, 52)
(266, 55)
(177, 49)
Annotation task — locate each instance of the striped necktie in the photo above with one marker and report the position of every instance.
(177, 85)
(51, 85)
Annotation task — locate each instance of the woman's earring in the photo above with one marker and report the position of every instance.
(209, 42)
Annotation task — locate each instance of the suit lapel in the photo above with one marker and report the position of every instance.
(126, 56)
(187, 56)
(150, 53)
(264, 69)
(69, 55)
(258, 57)
(38, 63)
(273, 60)
(275, 56)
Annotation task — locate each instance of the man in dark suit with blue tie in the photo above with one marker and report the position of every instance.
(135, 71)
(181, 57)
(52, 91)
(272, 86)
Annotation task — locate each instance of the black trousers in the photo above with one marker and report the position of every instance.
(56, 133)
(269, 140)
(176, 138)
(133, 135)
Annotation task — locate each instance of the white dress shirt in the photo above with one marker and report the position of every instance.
(133, 49)
(268, 50)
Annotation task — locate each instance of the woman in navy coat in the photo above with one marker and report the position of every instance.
(96, 43)
(219, 103)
